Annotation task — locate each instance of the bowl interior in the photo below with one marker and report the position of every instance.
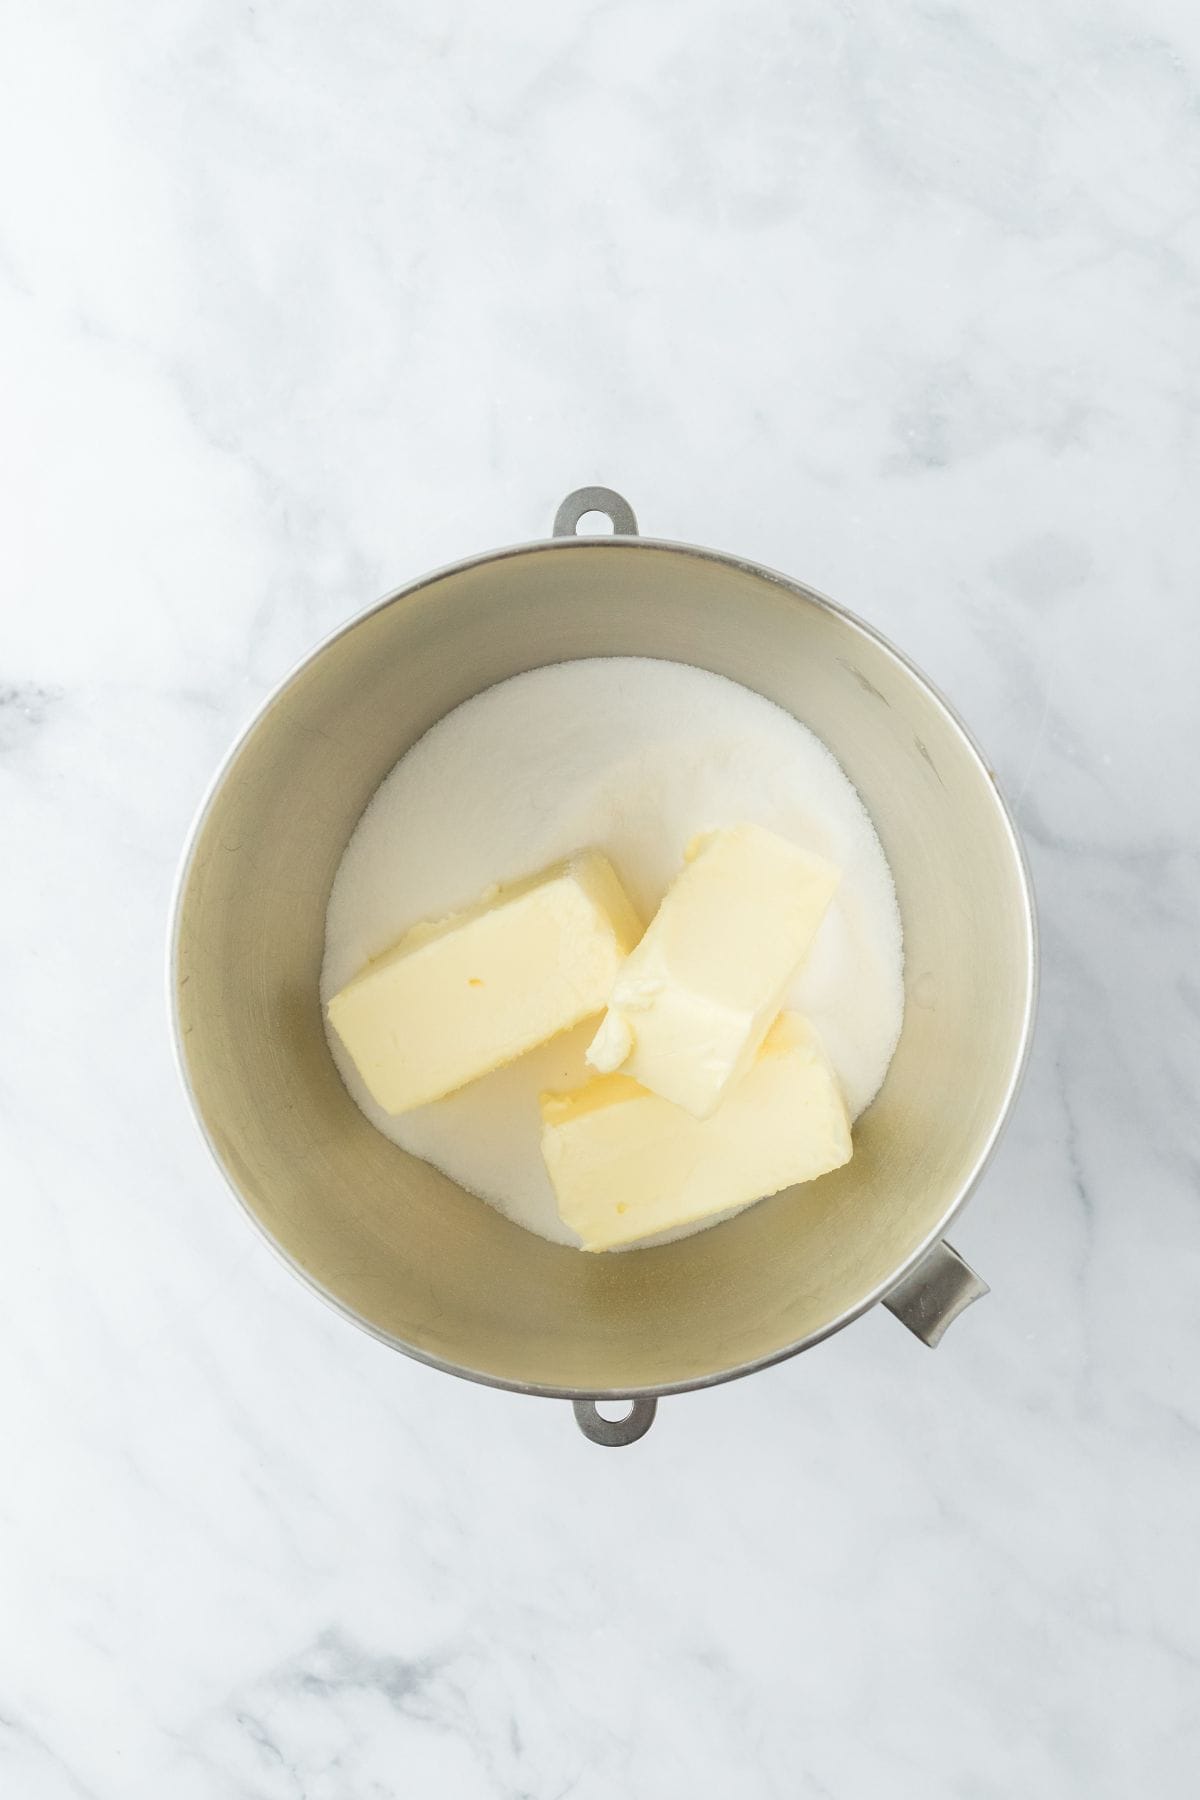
(398, 1245)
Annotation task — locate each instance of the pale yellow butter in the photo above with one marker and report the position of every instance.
(693, 1003)
(458, 997)
(626, 1165)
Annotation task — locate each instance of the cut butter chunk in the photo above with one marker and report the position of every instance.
(458, 997)
(626, 1165)
(691, 1006)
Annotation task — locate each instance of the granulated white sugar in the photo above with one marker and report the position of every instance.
(635, 757)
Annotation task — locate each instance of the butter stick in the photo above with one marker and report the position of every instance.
(461, 996)
(693, 1003)
(626, 1164)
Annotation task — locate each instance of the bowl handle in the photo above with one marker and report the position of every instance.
(932, 1295)
(595, 499)
(929, 1298)
(612, 1432)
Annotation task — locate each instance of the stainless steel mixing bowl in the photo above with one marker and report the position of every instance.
(402, 1250)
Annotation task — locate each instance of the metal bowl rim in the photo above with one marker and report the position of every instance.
(579, 545)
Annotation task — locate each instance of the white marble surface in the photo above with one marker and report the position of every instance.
(298, 301)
